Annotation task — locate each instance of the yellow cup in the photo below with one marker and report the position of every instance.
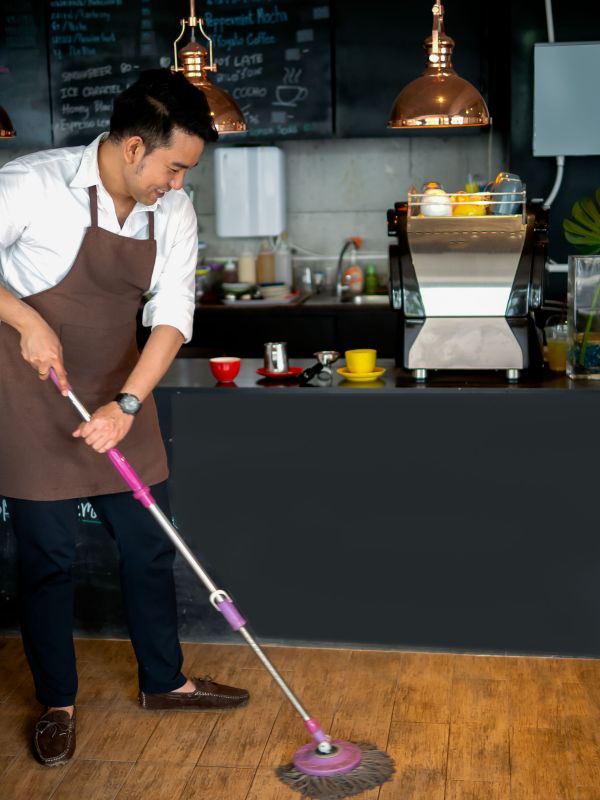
(361, 360)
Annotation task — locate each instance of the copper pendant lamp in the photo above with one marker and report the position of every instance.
(7, 130)
(196, 62)
(438, 98)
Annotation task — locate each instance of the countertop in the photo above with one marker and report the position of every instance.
(319, 303)
(195, 374)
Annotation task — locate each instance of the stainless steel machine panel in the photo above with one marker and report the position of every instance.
(467, 343)
(466, 266)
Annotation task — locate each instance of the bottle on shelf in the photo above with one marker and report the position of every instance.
(371, 280)
(230, 272)
(283, 262)
(247, 268)
(265, 264)
(352, 276)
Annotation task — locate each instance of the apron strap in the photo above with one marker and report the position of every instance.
(93, 192)
(93, 205)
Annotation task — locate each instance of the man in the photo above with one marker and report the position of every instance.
(84, 233)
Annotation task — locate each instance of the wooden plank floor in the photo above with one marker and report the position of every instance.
(459, 727)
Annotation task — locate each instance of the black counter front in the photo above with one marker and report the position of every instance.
(458, 515)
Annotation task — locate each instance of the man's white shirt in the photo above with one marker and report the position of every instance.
(44, 213)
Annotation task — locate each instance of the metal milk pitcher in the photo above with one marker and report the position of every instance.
(276, 359)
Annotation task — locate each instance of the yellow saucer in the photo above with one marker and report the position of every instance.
(360, 377)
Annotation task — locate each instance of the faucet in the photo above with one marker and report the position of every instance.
(354, 242)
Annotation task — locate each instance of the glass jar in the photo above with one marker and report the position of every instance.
(556, 334)
(583, 300)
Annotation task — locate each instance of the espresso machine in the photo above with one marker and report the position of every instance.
(467, 286)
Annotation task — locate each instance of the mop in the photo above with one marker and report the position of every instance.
(324, 769)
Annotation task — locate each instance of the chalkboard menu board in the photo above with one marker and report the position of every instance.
(24, 89)
(97, 48)
(273, 57)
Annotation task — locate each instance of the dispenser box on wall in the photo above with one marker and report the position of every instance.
(250, 191)
(566, 111)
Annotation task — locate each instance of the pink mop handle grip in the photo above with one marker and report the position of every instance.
(140, 491)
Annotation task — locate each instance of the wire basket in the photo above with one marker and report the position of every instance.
(465, 205)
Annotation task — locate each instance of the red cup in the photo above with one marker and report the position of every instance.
(225, 368)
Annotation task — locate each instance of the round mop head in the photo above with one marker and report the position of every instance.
(348, 770)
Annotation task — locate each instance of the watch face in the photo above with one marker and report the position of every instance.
(129, 403)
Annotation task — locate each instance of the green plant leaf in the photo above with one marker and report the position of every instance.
(584, 249)
(591, 209)
(576, 238)
(577, 241)
(581, 230)
(579, 213)
(582, 217)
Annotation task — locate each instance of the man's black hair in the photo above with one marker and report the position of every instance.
(158, 102)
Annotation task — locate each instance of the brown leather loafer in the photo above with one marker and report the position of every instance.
(54, 738)
(207, 696)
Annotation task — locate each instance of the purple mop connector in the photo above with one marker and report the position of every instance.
(315, 730)
(231, 614)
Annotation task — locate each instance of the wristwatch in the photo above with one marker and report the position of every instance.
(128, 403)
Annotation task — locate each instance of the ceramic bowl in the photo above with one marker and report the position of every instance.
(225, 368)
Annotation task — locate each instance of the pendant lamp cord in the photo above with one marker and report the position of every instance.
(560, 160)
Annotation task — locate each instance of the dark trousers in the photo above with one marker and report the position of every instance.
(46, 532)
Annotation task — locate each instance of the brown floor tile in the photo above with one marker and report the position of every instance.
(382, 663)
(92, 780)
(533, 703)
(539, 765)
(5, 762)
(25, 779)
(215, 659)
(365, 710)
(240, 735)
(586, 793)
(315, 661)
(219, 783)
(179, 738)
(471, 790)
(155, 782)
(16, 729)
(479, 752)
(114, 734)
(420, 753)
(267, 786)
(481, 700)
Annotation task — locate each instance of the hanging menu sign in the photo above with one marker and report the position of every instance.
(273, 57)
(97, 48)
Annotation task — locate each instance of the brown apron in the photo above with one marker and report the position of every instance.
(93, 312)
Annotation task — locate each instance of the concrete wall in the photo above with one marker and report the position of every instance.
(339, 188)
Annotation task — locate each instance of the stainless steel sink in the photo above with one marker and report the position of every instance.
(371, 300)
